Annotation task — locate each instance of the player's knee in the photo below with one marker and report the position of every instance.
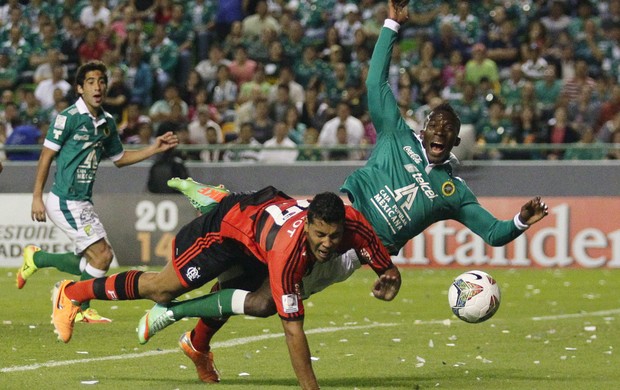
(259, 306)
(101, 256)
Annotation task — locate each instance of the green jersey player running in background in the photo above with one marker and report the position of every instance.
(406, 185)
(79, 138)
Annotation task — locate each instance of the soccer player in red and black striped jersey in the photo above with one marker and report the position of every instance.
(268, 235)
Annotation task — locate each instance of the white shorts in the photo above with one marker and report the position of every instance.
(78, 219)
(333, 271)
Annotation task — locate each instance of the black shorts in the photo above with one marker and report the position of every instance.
(200, 254)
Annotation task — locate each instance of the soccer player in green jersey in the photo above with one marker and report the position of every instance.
(406, 186)
(78, 139)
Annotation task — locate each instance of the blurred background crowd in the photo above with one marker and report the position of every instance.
(266, 80)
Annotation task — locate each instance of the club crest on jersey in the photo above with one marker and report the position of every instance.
(290, 303)
(192, 273)
(448, 188)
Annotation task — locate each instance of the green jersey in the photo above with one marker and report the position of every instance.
(80, 141)
(398, 190)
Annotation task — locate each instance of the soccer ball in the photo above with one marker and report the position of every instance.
(474, 296)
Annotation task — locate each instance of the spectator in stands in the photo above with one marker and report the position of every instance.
(609, 108)
(280, 105)
(446, 41)
(25, 135)
(30, 111)
(180, 31)
(480, 66)
(242, 68)
(95, 12)
(207, 68)
(162, 109)
(557, 20)
(559, 131)
(527, 131)
(214, 137)
(19, 51)
(293, 40)
(286, 76)
(258, 85)
(347, 26)
(254, 25)
(535, 64)
(574, 87)
(280, 139)
(192, 86)
(263, 124)
(8, 74)
(44, 70)
(44, 91)
(548, 92)
(502, 41)
(341, 141)
(494, 129)
(198, 127)
(245, 138)
(139, 78)
(354, 126)
(585, 148)
(511, 87)
(609, 128)
(70, 44)
(310, 150)
(233, 40)
(296, 129)
(587, 46)
(93, 47)
(222, 93)
(314, 110)
(584, 112)
(466, 24)
(163, 56)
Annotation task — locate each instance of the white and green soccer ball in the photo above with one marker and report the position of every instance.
(474, 296)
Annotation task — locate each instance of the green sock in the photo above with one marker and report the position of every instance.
(215, 305)
(66, 262)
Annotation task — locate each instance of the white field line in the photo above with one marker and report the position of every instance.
(222, 344)
(578, 315)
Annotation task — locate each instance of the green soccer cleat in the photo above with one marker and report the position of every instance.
(28, 268)
(156, 319)
(201, 196)
(91, 316)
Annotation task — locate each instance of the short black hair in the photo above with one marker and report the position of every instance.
(327, 207)
(446, 107)
(80, 75)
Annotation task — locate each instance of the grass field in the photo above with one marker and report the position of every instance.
(555, 329)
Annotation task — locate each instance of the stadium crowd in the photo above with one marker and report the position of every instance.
(270, 74)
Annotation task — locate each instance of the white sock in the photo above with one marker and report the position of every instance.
(238, 301)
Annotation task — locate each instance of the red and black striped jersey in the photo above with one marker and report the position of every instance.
(271, 227)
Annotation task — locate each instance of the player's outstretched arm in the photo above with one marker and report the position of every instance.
(533, 211)
(387, 285)
(162, 143)
(300, 353)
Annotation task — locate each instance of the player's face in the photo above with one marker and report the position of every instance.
(439, 136)
(93, 91)
(323, 238)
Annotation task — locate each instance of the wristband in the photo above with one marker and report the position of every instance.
(392, 25)
(520, 225)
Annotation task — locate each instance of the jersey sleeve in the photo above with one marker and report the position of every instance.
(382, 104)
(479, 220)
(286, 269)
(112, 144)
(366, 242)
(58, 132)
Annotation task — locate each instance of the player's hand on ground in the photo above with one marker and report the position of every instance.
(388, 285)
(533, 211)
(398, 10)
(38, 210)
(167, 141)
